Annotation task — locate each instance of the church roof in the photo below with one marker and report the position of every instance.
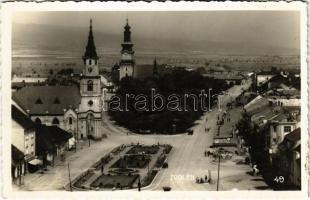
(47, 100)
(90, 51)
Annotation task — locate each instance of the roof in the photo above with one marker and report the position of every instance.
(281, 93)
(265, 113)
(256, 104)
(22, 119)
(294, 135)
(291, 141)
(266, 73)
(48, 136)
(38, 100)
(17, 155)
(90, 51)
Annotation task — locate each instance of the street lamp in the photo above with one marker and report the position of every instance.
(218, 171)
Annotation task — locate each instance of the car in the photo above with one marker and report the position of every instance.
(166, 189)
(190, 132)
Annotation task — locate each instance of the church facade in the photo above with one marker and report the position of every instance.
(90, 108)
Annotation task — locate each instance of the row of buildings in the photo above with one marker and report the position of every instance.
(34, 145)
(274, 112)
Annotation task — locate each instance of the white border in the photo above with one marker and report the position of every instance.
(6, 14)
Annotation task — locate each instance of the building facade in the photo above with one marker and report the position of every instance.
(23, 134)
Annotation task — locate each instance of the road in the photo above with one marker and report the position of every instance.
(186, 160)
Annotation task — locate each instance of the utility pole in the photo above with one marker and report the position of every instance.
(218, 173)
(69, 178)
(75, 142)
(139, 184)
(148, 170)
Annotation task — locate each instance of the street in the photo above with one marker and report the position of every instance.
(186, 160)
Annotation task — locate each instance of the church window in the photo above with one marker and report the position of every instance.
(90, 103)
(55, 122)
(90, 85)
(70, 120)
(56, 101)
(287, 129)
(38, 121)
(39, 101)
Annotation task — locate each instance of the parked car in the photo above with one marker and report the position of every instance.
(165, 165)
(166, 188)
(190, 132)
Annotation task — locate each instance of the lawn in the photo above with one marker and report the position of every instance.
(139, 149)
(118, 181)
(132, 161)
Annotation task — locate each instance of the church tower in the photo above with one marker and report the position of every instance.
(91, 103)
(127, 62)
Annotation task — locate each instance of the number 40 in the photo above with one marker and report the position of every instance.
(279, 179)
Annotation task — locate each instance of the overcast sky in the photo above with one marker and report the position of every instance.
(275, 28)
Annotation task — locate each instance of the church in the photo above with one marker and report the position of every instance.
(74, 108)
(127, 63)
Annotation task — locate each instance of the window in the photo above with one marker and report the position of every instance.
(39, 101)
(55, 122)
(287, 129)
(70, 120)
(90, 85)
(38, 121)
(90, 102)
(56, 101)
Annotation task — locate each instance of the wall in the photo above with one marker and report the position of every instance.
(277, 133)
(18, 136)
(30, 148)
(285, 102)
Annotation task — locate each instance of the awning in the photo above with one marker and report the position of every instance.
(35, 162)
(71, 142)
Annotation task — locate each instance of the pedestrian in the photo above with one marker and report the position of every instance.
(205, 153)
(101, 169)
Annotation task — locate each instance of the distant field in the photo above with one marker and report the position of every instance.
(24, 61)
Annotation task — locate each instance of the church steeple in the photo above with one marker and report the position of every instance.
(127, 32)
(127, 63)
(127, 45)
(90, 52)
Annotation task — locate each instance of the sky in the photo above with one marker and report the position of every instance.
(274, 28)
